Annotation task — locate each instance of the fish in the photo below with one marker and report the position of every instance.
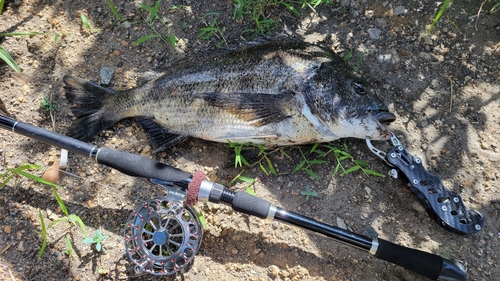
(271, 93)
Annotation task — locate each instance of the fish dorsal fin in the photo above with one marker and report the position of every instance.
(255, 108)
(159, 136)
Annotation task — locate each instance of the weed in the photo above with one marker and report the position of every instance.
(86, 23)
(444, 6)
(1, 5)
(257, 10)
(248, 180)
(118, 18)
(169, 38)
(356, 64)
(263, 154)
(5, 56)
(71, 218)
(212, 29)
(47, 105)
(69, 246)
(341, 155)
(181, 8)
(31, 33)
(43, 233)
(495, 8)
(306, 164)
(308, 192)
(97, 239)
(21, 171)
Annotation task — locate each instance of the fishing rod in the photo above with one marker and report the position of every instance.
(163, 235)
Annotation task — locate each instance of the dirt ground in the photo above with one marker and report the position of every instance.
(444, 89)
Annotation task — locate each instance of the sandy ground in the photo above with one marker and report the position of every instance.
(443, 87)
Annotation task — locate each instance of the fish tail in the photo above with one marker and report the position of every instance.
(88, 102)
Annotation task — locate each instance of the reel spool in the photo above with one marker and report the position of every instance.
(162, 236)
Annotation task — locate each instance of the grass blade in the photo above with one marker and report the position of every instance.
(32, 177)
(18, 33)
(298, 167)
(114, 10)
(43, 234)
(5, 56)
(350, 170)
(145, 38)
(85, 21)
(60, 202)
(373, 173)
(76, 218)
(439, 14)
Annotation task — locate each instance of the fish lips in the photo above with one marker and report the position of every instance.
(385, 118)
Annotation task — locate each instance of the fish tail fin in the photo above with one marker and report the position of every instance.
(88, 102)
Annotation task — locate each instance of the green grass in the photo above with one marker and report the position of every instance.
(96, 239)
(443, 8)
(47, 105)
(22, 171)
(212, 29)
(354, 65)
(308, 192)
(168, 37)
(5, 56)
(313, 157)
(117, 16)
(260, 13)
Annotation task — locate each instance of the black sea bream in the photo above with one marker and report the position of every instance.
(273, 93)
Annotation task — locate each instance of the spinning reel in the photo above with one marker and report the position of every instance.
(162, 236)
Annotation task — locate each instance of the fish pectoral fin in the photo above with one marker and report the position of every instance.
(256, 108)
(160, 137)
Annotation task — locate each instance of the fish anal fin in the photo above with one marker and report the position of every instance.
(255, 108)
(160, 137)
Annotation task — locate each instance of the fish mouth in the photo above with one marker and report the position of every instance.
(384, 117)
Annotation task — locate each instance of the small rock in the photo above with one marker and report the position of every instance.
(374, 33)
(425, 56)
(341, 223)
(399, 10)
(106, 75)
(274, 271)
(126, 24)
(7, 229)
(20, 246)
(384, 58)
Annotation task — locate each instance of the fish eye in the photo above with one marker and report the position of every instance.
(358, 87)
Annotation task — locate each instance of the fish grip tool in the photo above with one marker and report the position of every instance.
(444, 206)
(163, 235)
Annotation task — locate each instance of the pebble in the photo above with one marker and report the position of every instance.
(399, 10)
(425, 56)
(20, 246)
(126, 24)
(274, 271)
(341, 223)
(384, 58)
(7, 229)
(374, 33)
(106, 75)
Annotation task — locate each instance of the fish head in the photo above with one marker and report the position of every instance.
(351, 108)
